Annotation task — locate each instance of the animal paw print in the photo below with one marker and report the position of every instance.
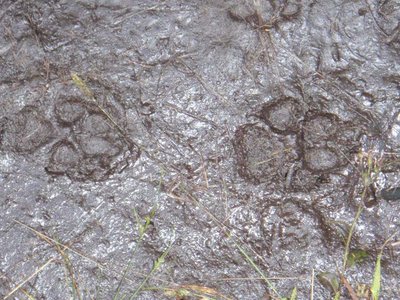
(293, 142)
(94, 148)
(88, 145)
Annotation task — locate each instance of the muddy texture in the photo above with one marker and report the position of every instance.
(26, 131)
(391, 193)
(254, 127)
(263, 156)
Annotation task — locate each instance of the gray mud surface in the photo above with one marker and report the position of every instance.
(254, 127)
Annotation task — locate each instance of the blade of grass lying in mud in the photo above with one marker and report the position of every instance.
(141, 228)
(19, 286)
(348, 240)
(157, 264)
(28, 296)
(376, 281)
(190, 291)
(69, 270)
(256, 268)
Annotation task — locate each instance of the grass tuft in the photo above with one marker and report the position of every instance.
(142, 227)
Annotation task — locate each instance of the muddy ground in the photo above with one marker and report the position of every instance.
(254, 127)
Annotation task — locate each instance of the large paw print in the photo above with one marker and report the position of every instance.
(94, 147)
(295, 142)
(90, 144)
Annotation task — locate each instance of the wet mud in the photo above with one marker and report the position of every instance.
(263, 156)
(26, 131)
(232, 130)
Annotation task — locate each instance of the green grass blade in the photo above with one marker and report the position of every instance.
(348, 241)
(293, 296)
(156, 266)
(376, 282)
(337, 296)
(81, 85)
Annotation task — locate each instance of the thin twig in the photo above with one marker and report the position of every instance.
(102, 266)
(28, 278)
(351, 291)
(69, 271)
